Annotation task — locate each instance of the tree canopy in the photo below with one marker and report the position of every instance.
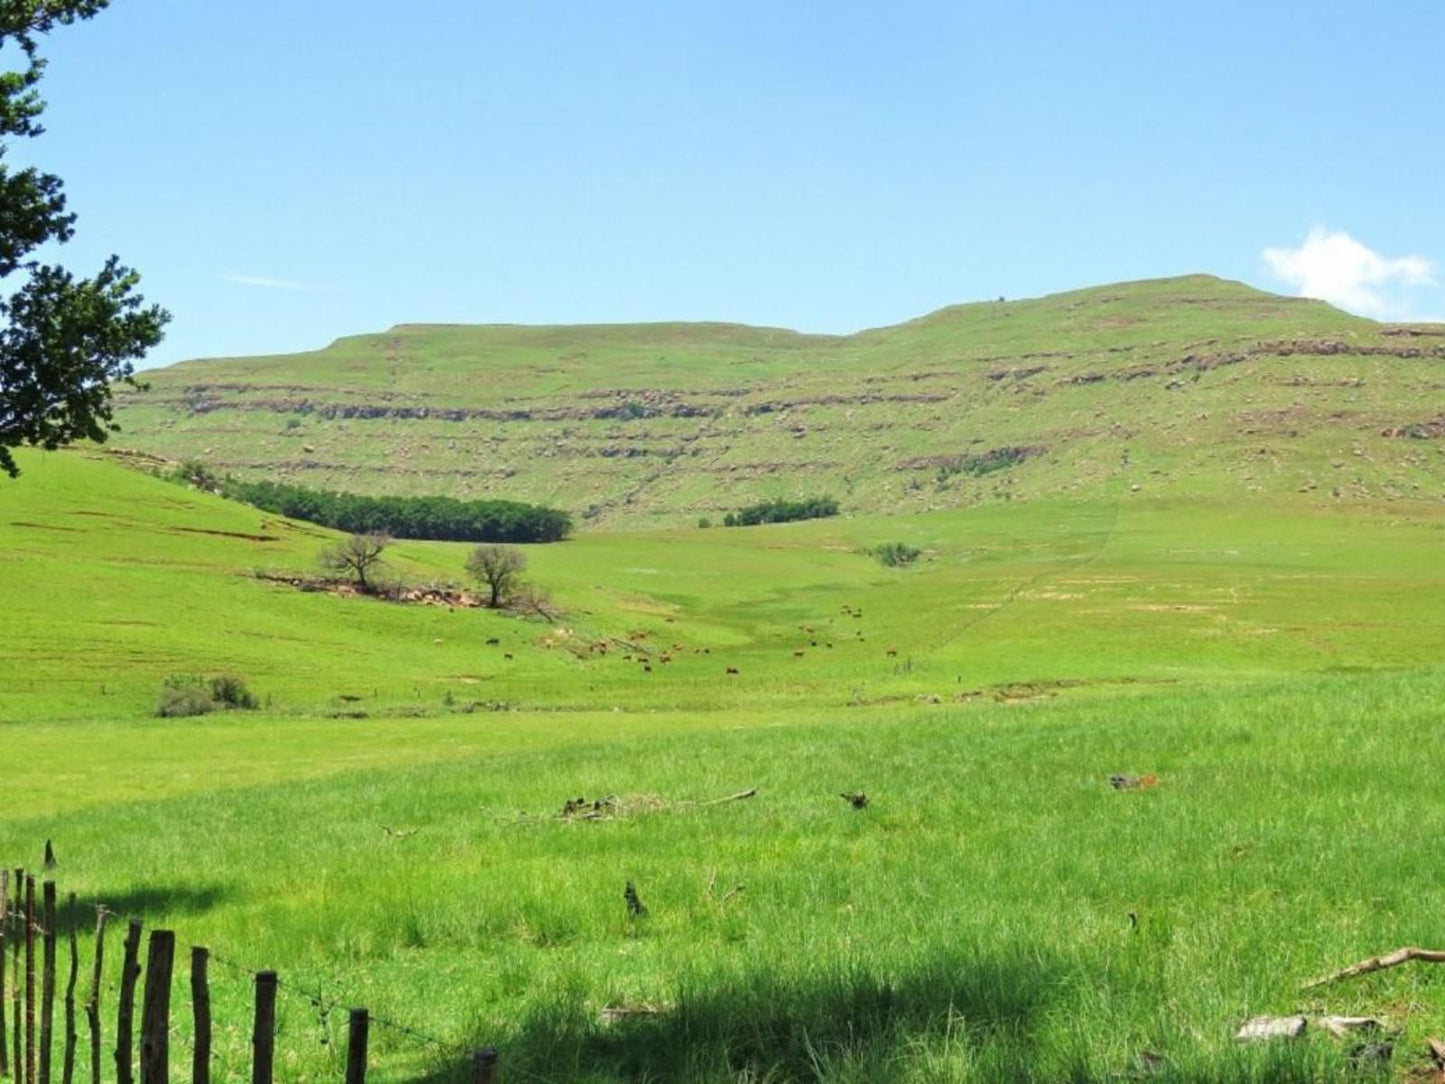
(63, 340)
(437, 519)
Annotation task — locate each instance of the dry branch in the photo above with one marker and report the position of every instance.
(1379, 963)
(750, 792)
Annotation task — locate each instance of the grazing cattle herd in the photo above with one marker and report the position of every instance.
(635, 648)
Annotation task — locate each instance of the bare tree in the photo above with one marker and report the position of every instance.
(499, 568)
(533, 601)
(358, 556)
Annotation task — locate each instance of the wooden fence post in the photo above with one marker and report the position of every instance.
(29, 979)
(17, 910)
(68, 1066)
(263, 1034)
(92, 1003)
(155, 1020)
(4, 925)
(125, 1013)
(484, 1066)
(47, 982)
(17, 913)
(201, 1014)
(359, 1032)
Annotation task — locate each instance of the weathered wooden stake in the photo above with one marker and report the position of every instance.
(484, 1066)
(201, 1014)
(155, 1020)
(29, 979)
(92, 1003)
(18, 911)
(4, 925)
(263, 1034)
(47, 982)
(68, 1066)
(356, 1046)
(125, 1012)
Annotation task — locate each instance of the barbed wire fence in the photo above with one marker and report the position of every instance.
(27, 1015)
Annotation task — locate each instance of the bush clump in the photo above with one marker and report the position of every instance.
(781, 511)
(896, 554)
(185, 695)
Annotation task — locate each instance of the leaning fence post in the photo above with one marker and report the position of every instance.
(358, 1033)
(68, 1066)
(92, 1003)
(263, 1035)
(155, 1021)
(125, 1013)
(4, 922)
(484, 1065)
(47, 982)
(201, 1013)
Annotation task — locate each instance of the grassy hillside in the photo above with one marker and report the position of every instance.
(1179, 387)
(143, 578)
(1276, 665)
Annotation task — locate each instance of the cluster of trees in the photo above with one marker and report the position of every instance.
(781, 511)
(438, 519)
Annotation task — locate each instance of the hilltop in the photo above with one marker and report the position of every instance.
(1190, 386)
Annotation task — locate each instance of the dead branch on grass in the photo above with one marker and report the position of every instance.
(1379, 963)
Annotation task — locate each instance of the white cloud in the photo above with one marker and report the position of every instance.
(265, 283)
(1332, 266)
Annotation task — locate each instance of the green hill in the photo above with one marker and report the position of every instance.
(1190, 386)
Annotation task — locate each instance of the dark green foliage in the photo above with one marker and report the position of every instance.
(781, 511)
(703, 522)
(184, 695)
(437, 519)
(64, 341)
(989, 462)
(896, 554)
(231, 691)
(193, 472)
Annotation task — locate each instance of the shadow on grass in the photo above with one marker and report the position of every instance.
(146, 903)
(849, 1025)
(950, 1018)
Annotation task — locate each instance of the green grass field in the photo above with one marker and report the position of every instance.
(1277, 665)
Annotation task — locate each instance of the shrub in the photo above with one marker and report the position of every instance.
(230, 691)
(704, 522)
(190, 694)
(896, 554)
(179, 702)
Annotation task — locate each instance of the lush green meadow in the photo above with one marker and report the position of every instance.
(1278, 669)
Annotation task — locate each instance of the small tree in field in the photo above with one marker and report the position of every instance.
(499, 569)
(358, 556)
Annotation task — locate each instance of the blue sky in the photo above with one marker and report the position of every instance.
(286, 172)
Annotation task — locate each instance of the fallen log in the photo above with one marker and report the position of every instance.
(1379, 963)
